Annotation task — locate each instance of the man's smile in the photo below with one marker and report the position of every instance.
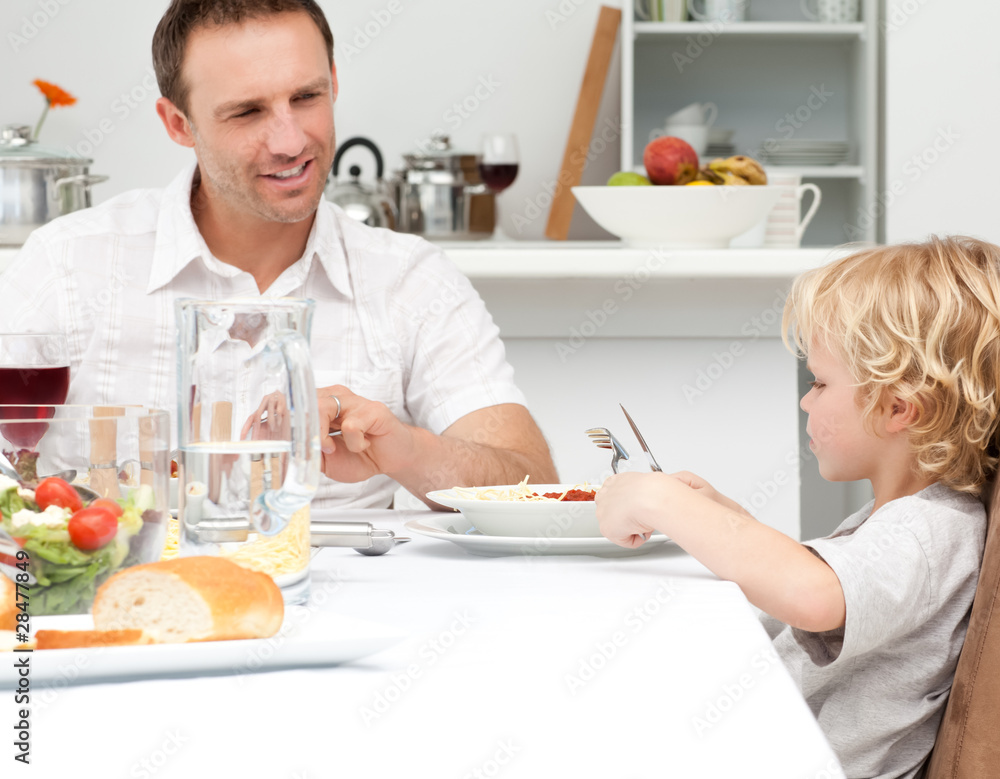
(294, 175)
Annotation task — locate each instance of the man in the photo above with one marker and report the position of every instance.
(415, 373)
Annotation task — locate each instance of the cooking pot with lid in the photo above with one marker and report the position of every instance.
(38, 184)
(440, 195)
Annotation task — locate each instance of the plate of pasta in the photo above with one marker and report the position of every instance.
(526, 510)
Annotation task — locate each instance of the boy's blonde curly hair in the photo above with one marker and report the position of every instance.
(921, 322)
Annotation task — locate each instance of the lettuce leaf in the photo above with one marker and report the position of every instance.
(10, 502)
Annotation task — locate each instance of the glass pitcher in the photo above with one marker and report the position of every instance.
(248, 435)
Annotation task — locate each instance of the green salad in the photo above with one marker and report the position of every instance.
(73, 546)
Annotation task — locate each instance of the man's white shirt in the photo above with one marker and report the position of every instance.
(395, 320)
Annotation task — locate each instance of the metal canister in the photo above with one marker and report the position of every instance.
(440, 195)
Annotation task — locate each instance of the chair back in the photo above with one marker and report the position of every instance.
(968, 741)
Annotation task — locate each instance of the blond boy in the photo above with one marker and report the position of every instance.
(904, 344)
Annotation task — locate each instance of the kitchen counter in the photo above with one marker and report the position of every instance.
(607, 259)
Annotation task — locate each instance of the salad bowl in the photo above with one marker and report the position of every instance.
(74, 542)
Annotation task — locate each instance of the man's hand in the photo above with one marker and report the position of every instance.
(372, 439)
(270, 421)
(494, 445)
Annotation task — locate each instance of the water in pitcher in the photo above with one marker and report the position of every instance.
(220, 480)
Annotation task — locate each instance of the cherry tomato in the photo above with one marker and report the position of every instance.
(57, 492)
(109, 505)
(92, 527)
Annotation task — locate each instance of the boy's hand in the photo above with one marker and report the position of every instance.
(706, 490)
(629, 503)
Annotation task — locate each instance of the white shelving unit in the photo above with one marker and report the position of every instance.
(761, 30)
(776, 76)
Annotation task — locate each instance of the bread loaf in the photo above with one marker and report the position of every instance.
(79, 639)
(8, 604)
(190, 599)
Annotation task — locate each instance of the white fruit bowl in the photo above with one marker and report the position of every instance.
(677, 217)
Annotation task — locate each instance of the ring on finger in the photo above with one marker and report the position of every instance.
(338, 405)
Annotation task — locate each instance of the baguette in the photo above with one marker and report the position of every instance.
(80, 639)
(8, 604)
(8, 641)
(190, 599)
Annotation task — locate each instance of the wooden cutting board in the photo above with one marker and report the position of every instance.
(587, 105)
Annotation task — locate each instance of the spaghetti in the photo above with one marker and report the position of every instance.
(522, 493)
(281, 555)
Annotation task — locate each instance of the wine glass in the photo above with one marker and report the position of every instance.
(498, 169)
(34, 376)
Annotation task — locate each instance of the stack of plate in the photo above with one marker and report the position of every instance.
(720, 150)
(804, 152)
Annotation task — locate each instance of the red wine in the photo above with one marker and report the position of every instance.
(35, 388)
(498, 177)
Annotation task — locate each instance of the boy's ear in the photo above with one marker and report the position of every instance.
(902, 414)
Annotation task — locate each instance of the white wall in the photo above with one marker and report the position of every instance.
(942, 73)
(396, 88)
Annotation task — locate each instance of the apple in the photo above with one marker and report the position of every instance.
(626, 178)
(670, 160)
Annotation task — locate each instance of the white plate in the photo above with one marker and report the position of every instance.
(308, 638)
(456, 529)
(526, 519)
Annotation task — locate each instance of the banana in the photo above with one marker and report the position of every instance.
(706, 174)
(732, 180)
(742, 166)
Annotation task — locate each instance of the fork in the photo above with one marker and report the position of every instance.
(603, 439)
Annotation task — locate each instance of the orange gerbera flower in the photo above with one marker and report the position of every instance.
(57, 96)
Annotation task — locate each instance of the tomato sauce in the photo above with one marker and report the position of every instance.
(572, 495)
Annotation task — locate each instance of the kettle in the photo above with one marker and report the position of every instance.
(371, 206)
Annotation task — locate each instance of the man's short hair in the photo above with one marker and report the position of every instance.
(184, 16)
(921, 322)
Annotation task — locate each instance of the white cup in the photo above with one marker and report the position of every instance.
(695, 134)
(719, 10)
(660, 10)
(696, 113)
(785, 224)
(832, 11)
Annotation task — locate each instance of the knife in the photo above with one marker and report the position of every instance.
(642, 442)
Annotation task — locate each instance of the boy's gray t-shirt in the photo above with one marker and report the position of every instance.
(878, 685)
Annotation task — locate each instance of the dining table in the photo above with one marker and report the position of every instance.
(610, 665)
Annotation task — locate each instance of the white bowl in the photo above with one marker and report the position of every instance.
(677, 217)
(526, 519)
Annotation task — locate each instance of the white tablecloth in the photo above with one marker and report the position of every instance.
(544, 667)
